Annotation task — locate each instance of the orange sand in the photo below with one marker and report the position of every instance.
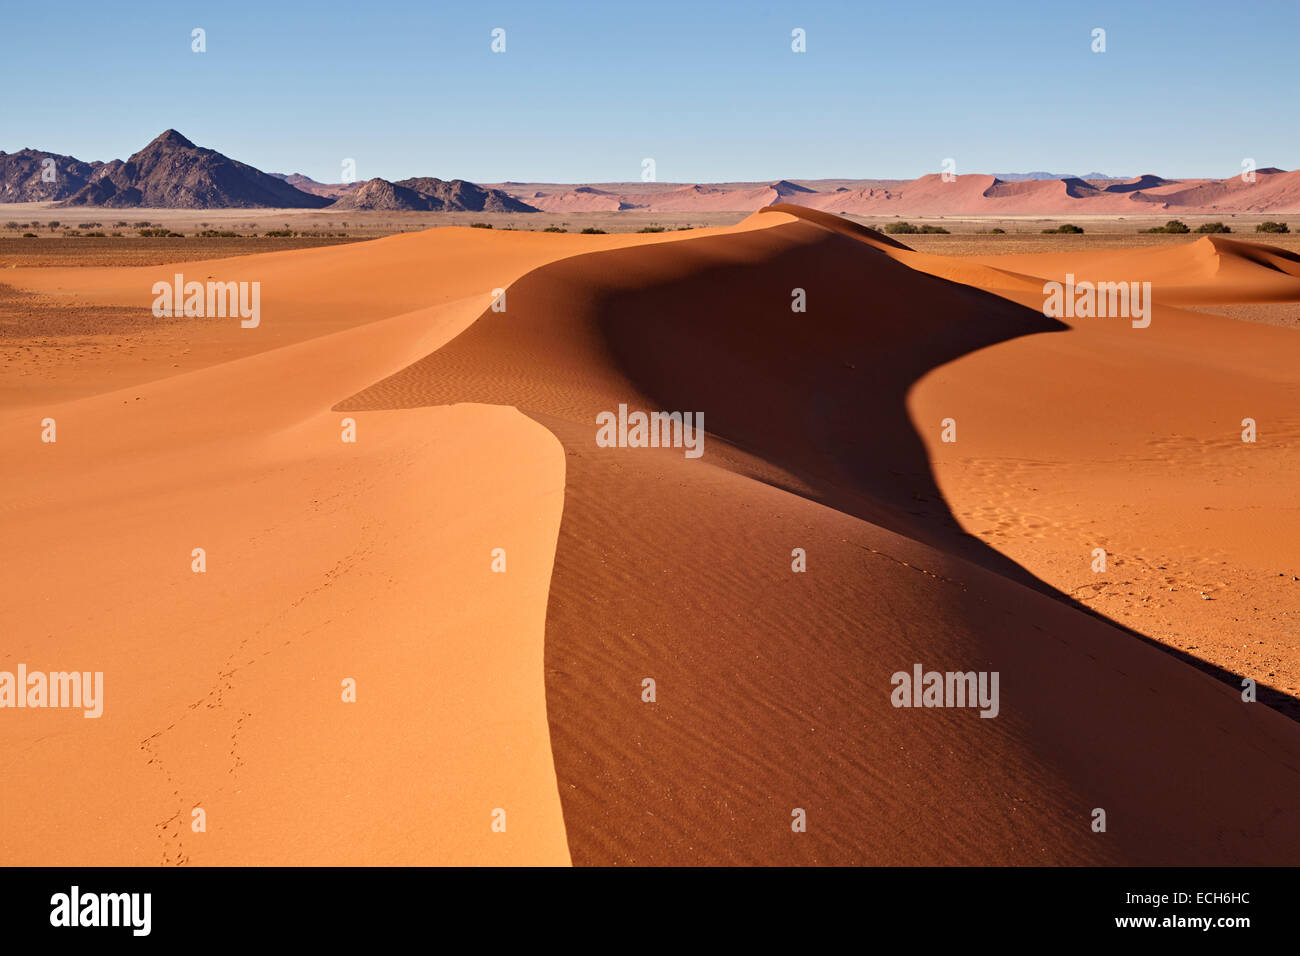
(522, 690)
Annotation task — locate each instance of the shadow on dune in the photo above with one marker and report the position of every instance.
(831, 408)
(674, 568)
(707, 325)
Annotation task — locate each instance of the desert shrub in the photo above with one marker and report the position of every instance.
(143, 224)
(1173, 226)
(117, 235)
(11, 224)
(905, 228)
(120, 224)
(1067, 228)
(97, 235)
(593, 231)
(934, 231)
(219, 234)
(1272, 227)
(554, 229)
(153, 233)
(89, 225)
(279, 233)
(480, 225)
(1212, 227)
(29, 235)
(651, 229)
(54, 224)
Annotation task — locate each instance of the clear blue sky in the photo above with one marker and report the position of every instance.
(710, 90)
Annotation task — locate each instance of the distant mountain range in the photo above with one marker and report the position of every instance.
(173, 173)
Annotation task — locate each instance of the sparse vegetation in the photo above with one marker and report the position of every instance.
(90, 225)
(651, 229)
(29, 235)
(480, 225)
(1212, 227)
(907, 229)
(1277, 227)
(1174, 226)
(219, 234)
(554, 229)
(593, 231)
(1067, 228)
(279, 233)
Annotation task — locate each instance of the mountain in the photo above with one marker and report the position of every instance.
(21, 178)
(173, 173)
(380, 194)
(457, 194)
(427, 194)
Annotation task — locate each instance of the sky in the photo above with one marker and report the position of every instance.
(711, 91)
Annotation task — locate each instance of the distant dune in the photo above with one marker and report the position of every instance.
(933, 195)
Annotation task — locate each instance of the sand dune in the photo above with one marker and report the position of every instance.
(773, 690)
(969, 194)
(523, 690)
(1209, 270)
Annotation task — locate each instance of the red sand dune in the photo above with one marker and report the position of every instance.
(931, 195)
(524, 690)
(582, 199)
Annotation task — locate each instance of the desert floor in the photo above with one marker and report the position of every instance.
(517, 696)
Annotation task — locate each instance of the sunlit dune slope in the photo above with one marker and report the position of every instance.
(325, 561)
